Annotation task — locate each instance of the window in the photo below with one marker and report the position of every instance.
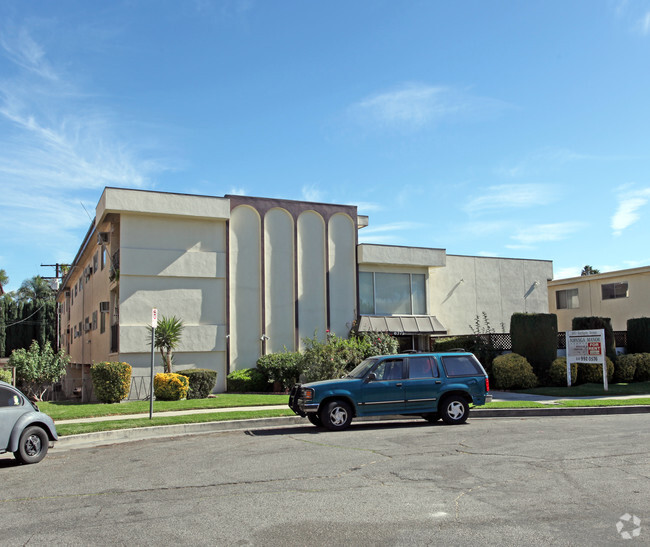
(94, 327)
(614, 290)
(103, 257)
(9, 398)
(422, 367)
(392, 293)
(95, 261)
(567, 299)
(102, 323)
(390, 369)
(461, 365)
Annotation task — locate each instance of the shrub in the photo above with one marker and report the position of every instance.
(638, 335)
(512, 371)
(453, 342)
(373, 343)
(625, 367)
(642, 373)
(596, 323)
(202, 381)
(557, 372)
(5, 375)
(247, 380)
(592, 373)
(534, 336)
(111, 381)
(169, 386)
(281, 367)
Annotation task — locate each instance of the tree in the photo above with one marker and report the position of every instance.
(4, 280)
(36, 368)
(35, 290)
(588, 270)
(167, 338)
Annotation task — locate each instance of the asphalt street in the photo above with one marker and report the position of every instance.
(563, 480)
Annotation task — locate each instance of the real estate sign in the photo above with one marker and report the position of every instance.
(585, 346)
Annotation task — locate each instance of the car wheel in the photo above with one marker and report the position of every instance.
(315, 420)
(454, 410)
(432, 417)
(337, 415)
(32, 446)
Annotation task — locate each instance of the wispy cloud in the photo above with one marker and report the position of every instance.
(310, 192)
(540, 233)
(644, 23)
(413, 106)
(511, 196)
(546, 158)
(57, 148)
(629, 202)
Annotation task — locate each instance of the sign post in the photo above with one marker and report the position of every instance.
(154, 324)
(585, 346)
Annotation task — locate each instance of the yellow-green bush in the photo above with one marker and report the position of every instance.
(111, 381)
(592, 373)
(512, 371)
(557, 372)
(168, 386)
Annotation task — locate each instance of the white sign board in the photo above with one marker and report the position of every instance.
(585, 346)
(154, 318)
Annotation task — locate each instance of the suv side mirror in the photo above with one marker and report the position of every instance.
(371, 376)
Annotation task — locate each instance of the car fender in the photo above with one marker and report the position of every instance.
(28, 419)
(338, 394)
(456, 389)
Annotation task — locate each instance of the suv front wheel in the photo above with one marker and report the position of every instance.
(454, 410)
(336, 415)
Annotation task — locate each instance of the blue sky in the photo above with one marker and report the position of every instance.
(492, 128)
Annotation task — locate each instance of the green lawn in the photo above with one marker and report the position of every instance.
(75, 429)
(591, 390)
(67, 410)
(569, 403)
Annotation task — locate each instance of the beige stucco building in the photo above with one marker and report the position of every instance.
(250, 276)
(619, 295)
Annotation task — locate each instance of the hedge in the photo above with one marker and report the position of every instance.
(642, 373)
(592, 373)
(512, 371)
(5, 375)
(281, 367)
(534, 336)
(247, 380)
(625, 368)
(111, 381)
(638, 335)
(557, 372)
(202, 381)
(597, 323)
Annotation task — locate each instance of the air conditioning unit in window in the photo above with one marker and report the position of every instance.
(103, 238)
(103, 307)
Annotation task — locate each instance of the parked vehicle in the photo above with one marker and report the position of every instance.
(24, 430)
(432, 385)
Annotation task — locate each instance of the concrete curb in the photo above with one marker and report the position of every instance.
(85, 440)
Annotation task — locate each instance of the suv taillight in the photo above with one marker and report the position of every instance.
(487, 384)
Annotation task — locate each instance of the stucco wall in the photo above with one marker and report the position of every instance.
(619, 310)
(468, 286)
(177, 265)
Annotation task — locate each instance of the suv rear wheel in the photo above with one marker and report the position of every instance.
(336, 415)
(454, 409)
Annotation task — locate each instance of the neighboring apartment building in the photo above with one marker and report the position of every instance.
(619, 295)
(250, 276)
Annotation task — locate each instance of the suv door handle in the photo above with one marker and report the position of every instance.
(399, 384)
(438, 382)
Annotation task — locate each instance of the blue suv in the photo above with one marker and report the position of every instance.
(432, 385)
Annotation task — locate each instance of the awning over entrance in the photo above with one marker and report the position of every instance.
(401, 324)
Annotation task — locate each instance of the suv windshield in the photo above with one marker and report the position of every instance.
(362, 368)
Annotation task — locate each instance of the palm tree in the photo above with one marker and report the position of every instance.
(588, 270)
(4, 280)
(167, 338)
(35, 289)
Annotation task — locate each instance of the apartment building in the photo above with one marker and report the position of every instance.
(250, 276)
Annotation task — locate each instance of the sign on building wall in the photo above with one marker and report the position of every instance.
(585, 346)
